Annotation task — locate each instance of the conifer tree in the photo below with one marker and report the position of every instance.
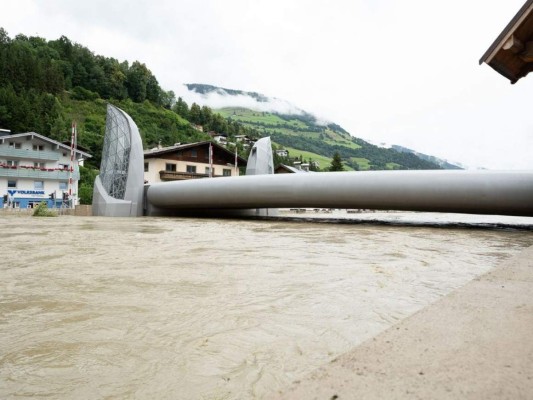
(336, 163)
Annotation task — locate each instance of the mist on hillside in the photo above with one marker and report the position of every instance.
(220, 98)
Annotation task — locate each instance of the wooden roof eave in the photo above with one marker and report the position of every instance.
(162, 152)
(511, 53)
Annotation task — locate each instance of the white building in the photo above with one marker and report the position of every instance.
(220, 139)
(245, 140)
(34, 168)
(282, 153)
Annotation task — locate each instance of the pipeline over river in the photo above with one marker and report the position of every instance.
(475, 192)
(119, 188)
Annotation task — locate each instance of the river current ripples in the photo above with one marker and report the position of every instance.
(172, 308)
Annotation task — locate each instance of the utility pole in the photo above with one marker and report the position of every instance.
(210, 160)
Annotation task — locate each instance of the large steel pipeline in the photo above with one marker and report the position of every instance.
(474, 192)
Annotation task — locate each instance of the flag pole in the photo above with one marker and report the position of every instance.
(236, 161)
(73, 140)
(210, 160)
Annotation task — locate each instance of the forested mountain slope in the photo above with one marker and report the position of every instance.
(303, 135)
(45, 85)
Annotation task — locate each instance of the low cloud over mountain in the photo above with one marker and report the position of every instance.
(216, 97)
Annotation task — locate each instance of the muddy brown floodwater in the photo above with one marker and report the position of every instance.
(211, 309)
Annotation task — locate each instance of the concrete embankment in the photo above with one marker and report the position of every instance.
(476, 343)
(78, 211)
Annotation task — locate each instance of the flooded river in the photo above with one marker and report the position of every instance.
(157, 308)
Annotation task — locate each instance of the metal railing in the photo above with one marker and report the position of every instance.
(28, 154)
(37, 173)
(178, 176)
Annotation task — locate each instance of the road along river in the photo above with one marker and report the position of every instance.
(172, 308)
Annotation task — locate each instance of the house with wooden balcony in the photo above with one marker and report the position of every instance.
(35, 168)
(190, 161)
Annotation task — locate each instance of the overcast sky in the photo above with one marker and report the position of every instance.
(403, 72)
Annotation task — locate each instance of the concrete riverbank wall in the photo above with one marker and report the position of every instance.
(473, 344)
(78, 211)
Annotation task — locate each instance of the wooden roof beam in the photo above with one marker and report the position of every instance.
(513, 44)
(522, 50)
(527, 53)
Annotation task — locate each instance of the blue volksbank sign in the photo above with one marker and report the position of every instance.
(34, 192)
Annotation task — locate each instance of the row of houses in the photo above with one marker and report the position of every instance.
(222, 139)
(35, 168)
(247, 142)
(296, 165)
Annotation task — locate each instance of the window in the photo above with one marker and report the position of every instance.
(207, 170)
(191, 169)
(226, 172)
(63, 166)
(11, 184)
(12, 163)
(38, 185)
(62, 185)
(170, 167)
(14, 145)
(145, 167)
(194, 153)
(38, 165)
(39, 147)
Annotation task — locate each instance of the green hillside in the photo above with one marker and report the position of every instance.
(156, 124)
(303, 136)
(323, 161)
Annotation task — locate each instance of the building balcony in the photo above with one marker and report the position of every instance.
(26, 154)
(37, 173)
(180, 176)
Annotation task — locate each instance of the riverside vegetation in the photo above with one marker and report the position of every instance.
(42, 211)
(46, 84)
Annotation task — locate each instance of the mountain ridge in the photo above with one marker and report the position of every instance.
(302, 132)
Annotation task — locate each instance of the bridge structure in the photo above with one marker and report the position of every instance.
(120, 190)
